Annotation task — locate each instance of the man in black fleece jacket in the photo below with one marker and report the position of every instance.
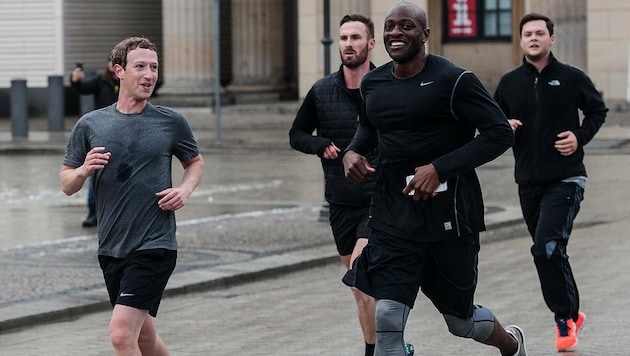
(542, 99)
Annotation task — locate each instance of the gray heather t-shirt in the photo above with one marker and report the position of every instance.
(141, 146)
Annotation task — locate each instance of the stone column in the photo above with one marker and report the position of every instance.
(188, 59)
(311, 49)
(258, 44)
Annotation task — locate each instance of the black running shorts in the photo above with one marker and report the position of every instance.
(139, 279)
(348, 223)
(446, 271)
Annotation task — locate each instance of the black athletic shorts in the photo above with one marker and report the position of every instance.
(446, 271)
(139, 279)
(348, 223)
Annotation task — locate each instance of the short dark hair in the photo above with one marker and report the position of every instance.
(535, 17)
(119, 53)
(360, 18)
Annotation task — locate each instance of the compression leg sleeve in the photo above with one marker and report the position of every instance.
(391, 317)
(478, 327)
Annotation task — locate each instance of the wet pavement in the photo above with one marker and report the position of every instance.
(257, 270)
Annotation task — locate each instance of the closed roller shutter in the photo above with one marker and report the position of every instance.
(93, 27)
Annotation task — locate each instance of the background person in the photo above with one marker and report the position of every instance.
(104, 87)
(542, 99)
(330, 109)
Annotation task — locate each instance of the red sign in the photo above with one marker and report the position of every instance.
(462, 19)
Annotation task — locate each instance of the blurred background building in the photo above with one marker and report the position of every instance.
(275, 49)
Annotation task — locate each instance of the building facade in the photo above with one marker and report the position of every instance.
(43, 38)
(275, 49)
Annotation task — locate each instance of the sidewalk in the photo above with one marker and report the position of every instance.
(293, 302)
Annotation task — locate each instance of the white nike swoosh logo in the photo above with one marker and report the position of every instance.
(123, 294)
(425, 83)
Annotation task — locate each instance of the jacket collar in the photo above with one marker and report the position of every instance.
(530, 67)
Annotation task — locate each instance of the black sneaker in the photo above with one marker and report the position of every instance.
(409, 349)
(90, 221)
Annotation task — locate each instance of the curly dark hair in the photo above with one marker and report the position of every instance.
(122, 49)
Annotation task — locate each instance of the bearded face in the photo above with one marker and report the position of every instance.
(354, 44)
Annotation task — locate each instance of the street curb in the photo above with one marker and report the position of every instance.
(71, 307)
(65, 308)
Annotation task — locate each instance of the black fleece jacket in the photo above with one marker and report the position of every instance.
(547, 103)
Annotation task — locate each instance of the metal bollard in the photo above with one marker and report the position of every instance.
(19, 109)
(55, 103)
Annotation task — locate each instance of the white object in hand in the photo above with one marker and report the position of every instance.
(440, 188)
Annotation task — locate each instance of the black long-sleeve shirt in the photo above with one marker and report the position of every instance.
(432, 117)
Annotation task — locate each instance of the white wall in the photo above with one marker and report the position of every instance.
(31, 41)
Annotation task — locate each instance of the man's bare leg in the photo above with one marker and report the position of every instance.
(132, 333)
(365, 303)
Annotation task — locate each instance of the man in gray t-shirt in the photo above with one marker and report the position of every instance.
(141, 147)
(128, 148)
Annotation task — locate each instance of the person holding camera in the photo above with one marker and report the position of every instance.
(104, 87)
